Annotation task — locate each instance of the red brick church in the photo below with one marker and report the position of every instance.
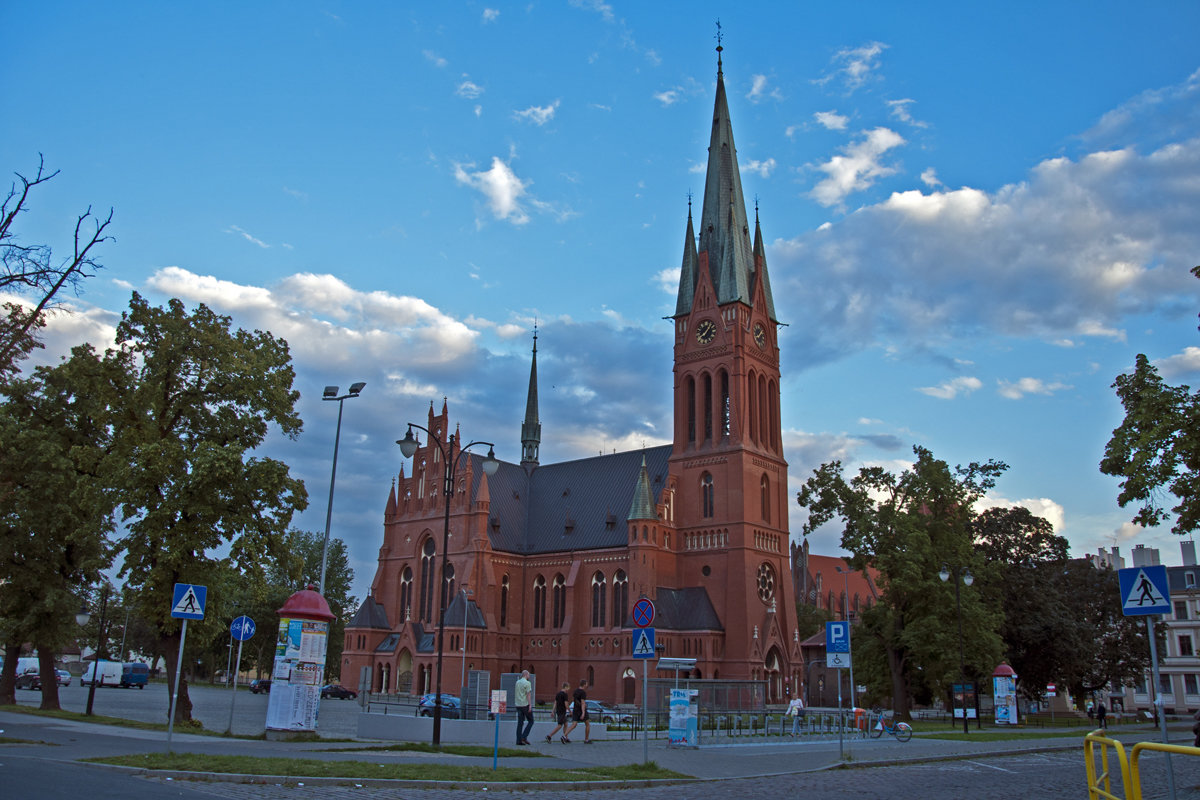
(546, 560)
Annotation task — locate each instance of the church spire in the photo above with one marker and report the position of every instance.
(531, 428)
(725, 239)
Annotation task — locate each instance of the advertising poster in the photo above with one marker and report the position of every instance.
(683, 730)
(297, 675)
(1004, 690)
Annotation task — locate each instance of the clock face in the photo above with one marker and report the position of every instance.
(705, 331)
(760, 335)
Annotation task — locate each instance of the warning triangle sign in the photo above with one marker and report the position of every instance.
(642, 646)
(1144, 593)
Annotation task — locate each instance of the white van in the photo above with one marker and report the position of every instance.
(110, 673)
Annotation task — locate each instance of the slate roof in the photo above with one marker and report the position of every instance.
(575, 505)
(454, 613)
(370, 615)
(688, 609)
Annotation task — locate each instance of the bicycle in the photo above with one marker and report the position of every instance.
(901, 730)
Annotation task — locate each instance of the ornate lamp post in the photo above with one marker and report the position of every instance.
(967, 579)
(331, 393)
(82, 618)
(408, 446)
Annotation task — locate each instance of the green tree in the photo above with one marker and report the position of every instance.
(56, 505)
(197, 399)
(907, 526)
(1156, 449)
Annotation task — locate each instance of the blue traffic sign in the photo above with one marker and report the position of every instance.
(242, 628)
(643, 613)
(643, 643)
(837, 637)
(1144, 591)
(188, 601)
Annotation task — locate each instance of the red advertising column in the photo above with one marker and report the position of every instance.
(1004, 692)
(299, 669)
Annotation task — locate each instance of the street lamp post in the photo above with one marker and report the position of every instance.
(82, 619)
(967, 579)
(408, 446)
(463, 695)
(331, 393)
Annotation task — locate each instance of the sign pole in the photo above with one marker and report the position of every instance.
(236, 668)
(175, 690)
(645, 719)
(1158, 704)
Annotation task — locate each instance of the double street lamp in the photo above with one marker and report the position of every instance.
(82, 618)
(331, 393)
(967, 579)
(408, 446)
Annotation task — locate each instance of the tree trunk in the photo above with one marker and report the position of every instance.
(49, 679)
(183, 705)
(895, 661)
(8, 676)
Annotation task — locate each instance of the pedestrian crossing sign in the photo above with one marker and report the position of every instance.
(643, 643)
(188, 601)
(1144, 591)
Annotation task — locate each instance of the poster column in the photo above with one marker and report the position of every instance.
(1004, 690)
(299, 668)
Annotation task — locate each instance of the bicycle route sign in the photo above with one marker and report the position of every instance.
(242, 628)
(643, 613)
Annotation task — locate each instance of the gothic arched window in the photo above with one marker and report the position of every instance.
(406, 598)
(559, 601)
(764, 487)
(447, 584)
(428, 581)
(539, 602)
(504, 601)
(707, 495)
(598, 600)
(620, 604)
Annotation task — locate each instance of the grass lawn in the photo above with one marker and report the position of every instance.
(299, 768)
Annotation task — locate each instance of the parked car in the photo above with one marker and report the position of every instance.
(260, 685)
(109, 673)
(450, 706)
(29, 680)
(64, 677)
(338, 691)
(134, 673)
(598, 712)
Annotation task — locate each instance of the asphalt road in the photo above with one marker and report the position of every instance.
(210, 705)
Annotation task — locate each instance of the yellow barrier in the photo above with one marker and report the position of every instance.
(1100, 783)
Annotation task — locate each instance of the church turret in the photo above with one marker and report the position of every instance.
(531, 428)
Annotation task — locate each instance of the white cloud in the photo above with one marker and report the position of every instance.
(952, 388)
(830, 120)
(791, 130)
(469, 90)
(247, 236)
(1187, 362)
(538, 115)
(599, 6)
(490, 15)
(500, 186)
(929, 178)
(1043, 507)
(1024, 386)
(668, 97)
(758, 90)
(854, 65)
(434, 59)
(857, 168)
(899, 110)
(763, 168)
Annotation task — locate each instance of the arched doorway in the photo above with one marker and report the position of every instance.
(404, 665)
(629, 687)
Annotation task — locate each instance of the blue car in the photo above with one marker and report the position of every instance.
(450, 706)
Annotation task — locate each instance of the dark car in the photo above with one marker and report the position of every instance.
(598, 712)
(29, 680)
(338, 691)
(259, 685)
(450, 706)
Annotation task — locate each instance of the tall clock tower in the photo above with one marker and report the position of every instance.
(727, 455)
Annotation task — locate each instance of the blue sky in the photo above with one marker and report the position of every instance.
(976, 215)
